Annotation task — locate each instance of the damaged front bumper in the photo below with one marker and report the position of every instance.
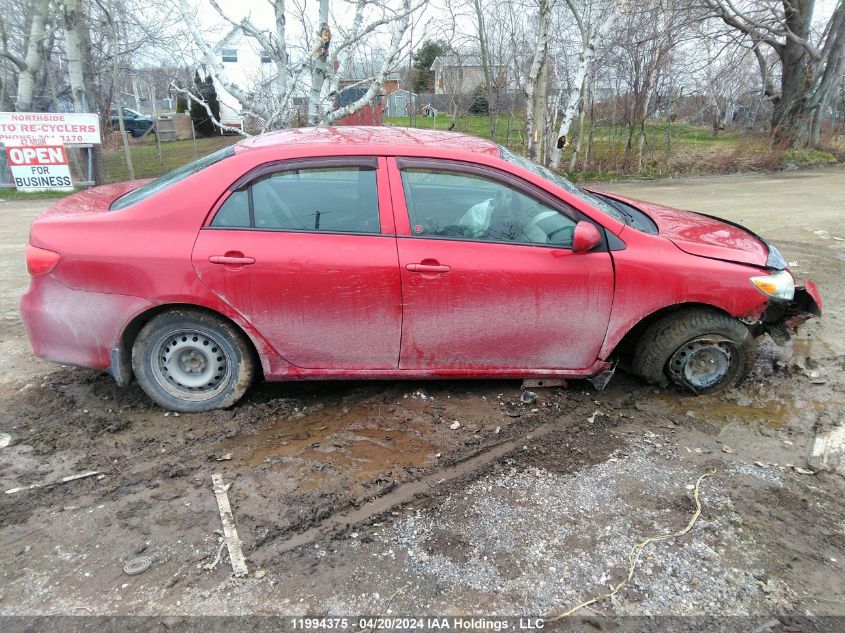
(781, 318)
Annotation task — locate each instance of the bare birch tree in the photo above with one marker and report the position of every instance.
(323, 63)
(589, 41)
(390, 61)
(536, 85)
(33, 59)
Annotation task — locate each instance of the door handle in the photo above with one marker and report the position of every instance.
(231, 260)
(427, 268)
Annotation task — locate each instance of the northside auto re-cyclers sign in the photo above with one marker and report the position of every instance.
(42, 128)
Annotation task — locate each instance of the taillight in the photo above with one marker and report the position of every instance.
(40, 261)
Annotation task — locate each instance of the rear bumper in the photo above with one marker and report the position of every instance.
(782, 317)
(75, 327)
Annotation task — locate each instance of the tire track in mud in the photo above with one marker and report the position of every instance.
(406, 492)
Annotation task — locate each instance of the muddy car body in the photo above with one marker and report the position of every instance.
(386, 253)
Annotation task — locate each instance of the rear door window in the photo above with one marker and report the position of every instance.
(336, 199)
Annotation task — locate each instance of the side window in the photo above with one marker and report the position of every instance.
(329, 199)
(466, 206)
(234, 212)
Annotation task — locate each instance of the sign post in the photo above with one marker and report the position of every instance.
(35, 147)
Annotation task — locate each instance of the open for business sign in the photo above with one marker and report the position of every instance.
(39, 168)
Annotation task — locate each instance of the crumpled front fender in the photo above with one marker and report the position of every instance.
(781, 318)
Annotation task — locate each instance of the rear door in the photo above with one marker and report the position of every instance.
(489, 277)
(306, 252)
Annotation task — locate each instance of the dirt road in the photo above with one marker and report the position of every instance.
(359, 497)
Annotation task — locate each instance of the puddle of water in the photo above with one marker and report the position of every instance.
(770, 414)
(802, 348)
(773, 415)
(362, 441)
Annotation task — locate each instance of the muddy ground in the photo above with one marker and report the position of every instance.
(359, 497)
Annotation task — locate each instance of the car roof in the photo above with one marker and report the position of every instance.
(361, 136)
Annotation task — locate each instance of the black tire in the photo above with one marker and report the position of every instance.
(669, 344)
(189, 361)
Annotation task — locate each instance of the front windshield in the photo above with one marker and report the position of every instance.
(163, 182)
(561, 182)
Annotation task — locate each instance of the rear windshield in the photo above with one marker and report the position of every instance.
(563, 183)
(163, 182)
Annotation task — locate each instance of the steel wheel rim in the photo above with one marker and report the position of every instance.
(191, 364)
(703, 362)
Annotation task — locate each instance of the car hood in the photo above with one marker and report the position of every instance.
(94, 200)
(704, 235)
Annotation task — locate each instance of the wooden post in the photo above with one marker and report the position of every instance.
(194, 139)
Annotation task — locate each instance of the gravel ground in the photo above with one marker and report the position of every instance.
(564, 559)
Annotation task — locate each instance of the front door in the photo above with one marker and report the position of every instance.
(300, 253)
(489, 277)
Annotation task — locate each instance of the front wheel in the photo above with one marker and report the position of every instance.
(191, 361)
(698, 349)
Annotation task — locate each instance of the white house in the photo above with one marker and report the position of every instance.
(247, 66)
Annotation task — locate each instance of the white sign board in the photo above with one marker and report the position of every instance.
(39, 128)
(39, 168)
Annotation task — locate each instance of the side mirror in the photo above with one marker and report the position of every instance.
(585, 237)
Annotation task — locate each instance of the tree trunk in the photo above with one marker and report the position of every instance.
(281, 58)
(541, 113)
(318, 65)
(582, 110)
(485, 64)
(585, 163)
(73, 50)
(536, 88)
(790, 113)
(33, 59)
(818, 120)
(667, 135)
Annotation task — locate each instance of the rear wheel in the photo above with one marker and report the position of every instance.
(701, 350)
(188, 360)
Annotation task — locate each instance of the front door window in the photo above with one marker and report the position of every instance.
(454, 205)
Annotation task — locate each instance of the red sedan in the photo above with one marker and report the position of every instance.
(391, 253)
